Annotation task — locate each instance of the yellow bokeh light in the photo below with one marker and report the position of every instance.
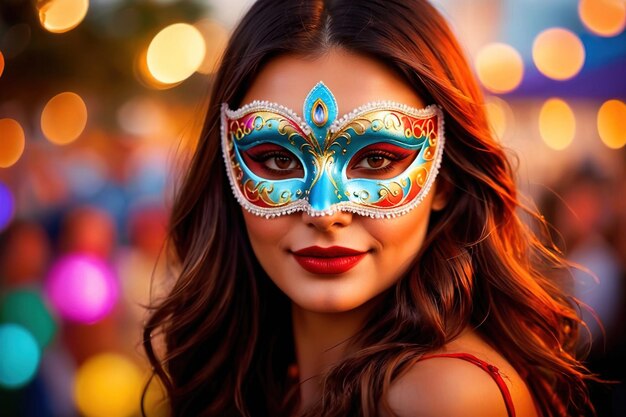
(1, 63)
(500, 116)
(558, 53)
(612, 124)
(11, 142)
(499, 67)
(557, 124)
(175, 53)
(107, 385)
(215, 38)
(603, 17)
(58, 16)
(64, 118)
(143, 74)
(156, 401)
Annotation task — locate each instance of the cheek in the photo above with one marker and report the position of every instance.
(399, 239)
(266, 236)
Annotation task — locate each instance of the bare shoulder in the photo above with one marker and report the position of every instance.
(452, 386)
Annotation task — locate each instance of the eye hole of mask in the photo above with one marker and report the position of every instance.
(380, 161)
(274, 162)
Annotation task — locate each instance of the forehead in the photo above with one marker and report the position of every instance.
(354, 80)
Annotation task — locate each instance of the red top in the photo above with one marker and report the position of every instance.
(490, 369)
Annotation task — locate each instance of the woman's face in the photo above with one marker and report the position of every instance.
(288, 246)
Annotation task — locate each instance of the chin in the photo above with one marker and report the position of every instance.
(327, 303)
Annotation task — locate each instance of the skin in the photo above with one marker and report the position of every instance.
(328, 309)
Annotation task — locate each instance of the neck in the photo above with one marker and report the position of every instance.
(322, 340)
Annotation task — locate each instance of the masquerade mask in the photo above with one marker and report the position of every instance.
(278, 163)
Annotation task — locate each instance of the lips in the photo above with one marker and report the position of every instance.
(328, 261)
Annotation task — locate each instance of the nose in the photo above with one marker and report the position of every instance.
(324, 192)
(328, 222)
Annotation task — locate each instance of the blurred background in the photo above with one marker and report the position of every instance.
(100, 100)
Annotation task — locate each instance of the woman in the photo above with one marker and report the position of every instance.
(344, 266)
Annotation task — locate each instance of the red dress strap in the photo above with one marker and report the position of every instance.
(487, 367)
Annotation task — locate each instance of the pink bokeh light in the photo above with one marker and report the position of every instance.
(82, 288)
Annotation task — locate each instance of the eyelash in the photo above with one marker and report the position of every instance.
(393, 158)
(266, 156)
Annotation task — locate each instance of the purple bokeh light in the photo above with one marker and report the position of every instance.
(82, 288)
(6, 206)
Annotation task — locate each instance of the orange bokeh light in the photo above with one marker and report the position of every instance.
(64, 118)
(611, 126)
(499, 67)
(59, 16)
(557, 124)
(603, 17)
(500, 116)
(558, 53)
(11, 142)
(143, 74)
(175, 53)
(1, 63)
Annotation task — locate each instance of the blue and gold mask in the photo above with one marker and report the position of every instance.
(278, 163)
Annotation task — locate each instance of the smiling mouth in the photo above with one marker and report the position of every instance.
(328, 261)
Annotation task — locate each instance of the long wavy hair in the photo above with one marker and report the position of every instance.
(227, 327)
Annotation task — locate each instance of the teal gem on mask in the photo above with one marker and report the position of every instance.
(320, 110)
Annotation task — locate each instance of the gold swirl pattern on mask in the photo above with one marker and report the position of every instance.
(419, 128)
(242, 127)
(259, 194)
(362, 196)
(377, 120)
(392, 193)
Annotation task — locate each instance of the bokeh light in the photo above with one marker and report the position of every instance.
(7, 206)
(19, 356)
(558, 53)
(64, 118)
(85, 172)
(27, 250)
(89, 229)
(143, 74)
(500, 116)
(26, 308)
(612, 123)
(82, 288)
(603, 17)
(1, 63)
(175, 53)
(142, 116)
(557, 124)
(499, 67)
(59, 16)
(108, 385)
(155, 400)
(11, 142)
(215, 39)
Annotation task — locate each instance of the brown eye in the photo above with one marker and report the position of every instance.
(281, 162)
(374, 161)
(272, 161)
(380, 160)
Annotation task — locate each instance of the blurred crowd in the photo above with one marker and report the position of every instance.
(587, 208)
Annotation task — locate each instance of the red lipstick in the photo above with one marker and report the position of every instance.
(327, 261)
